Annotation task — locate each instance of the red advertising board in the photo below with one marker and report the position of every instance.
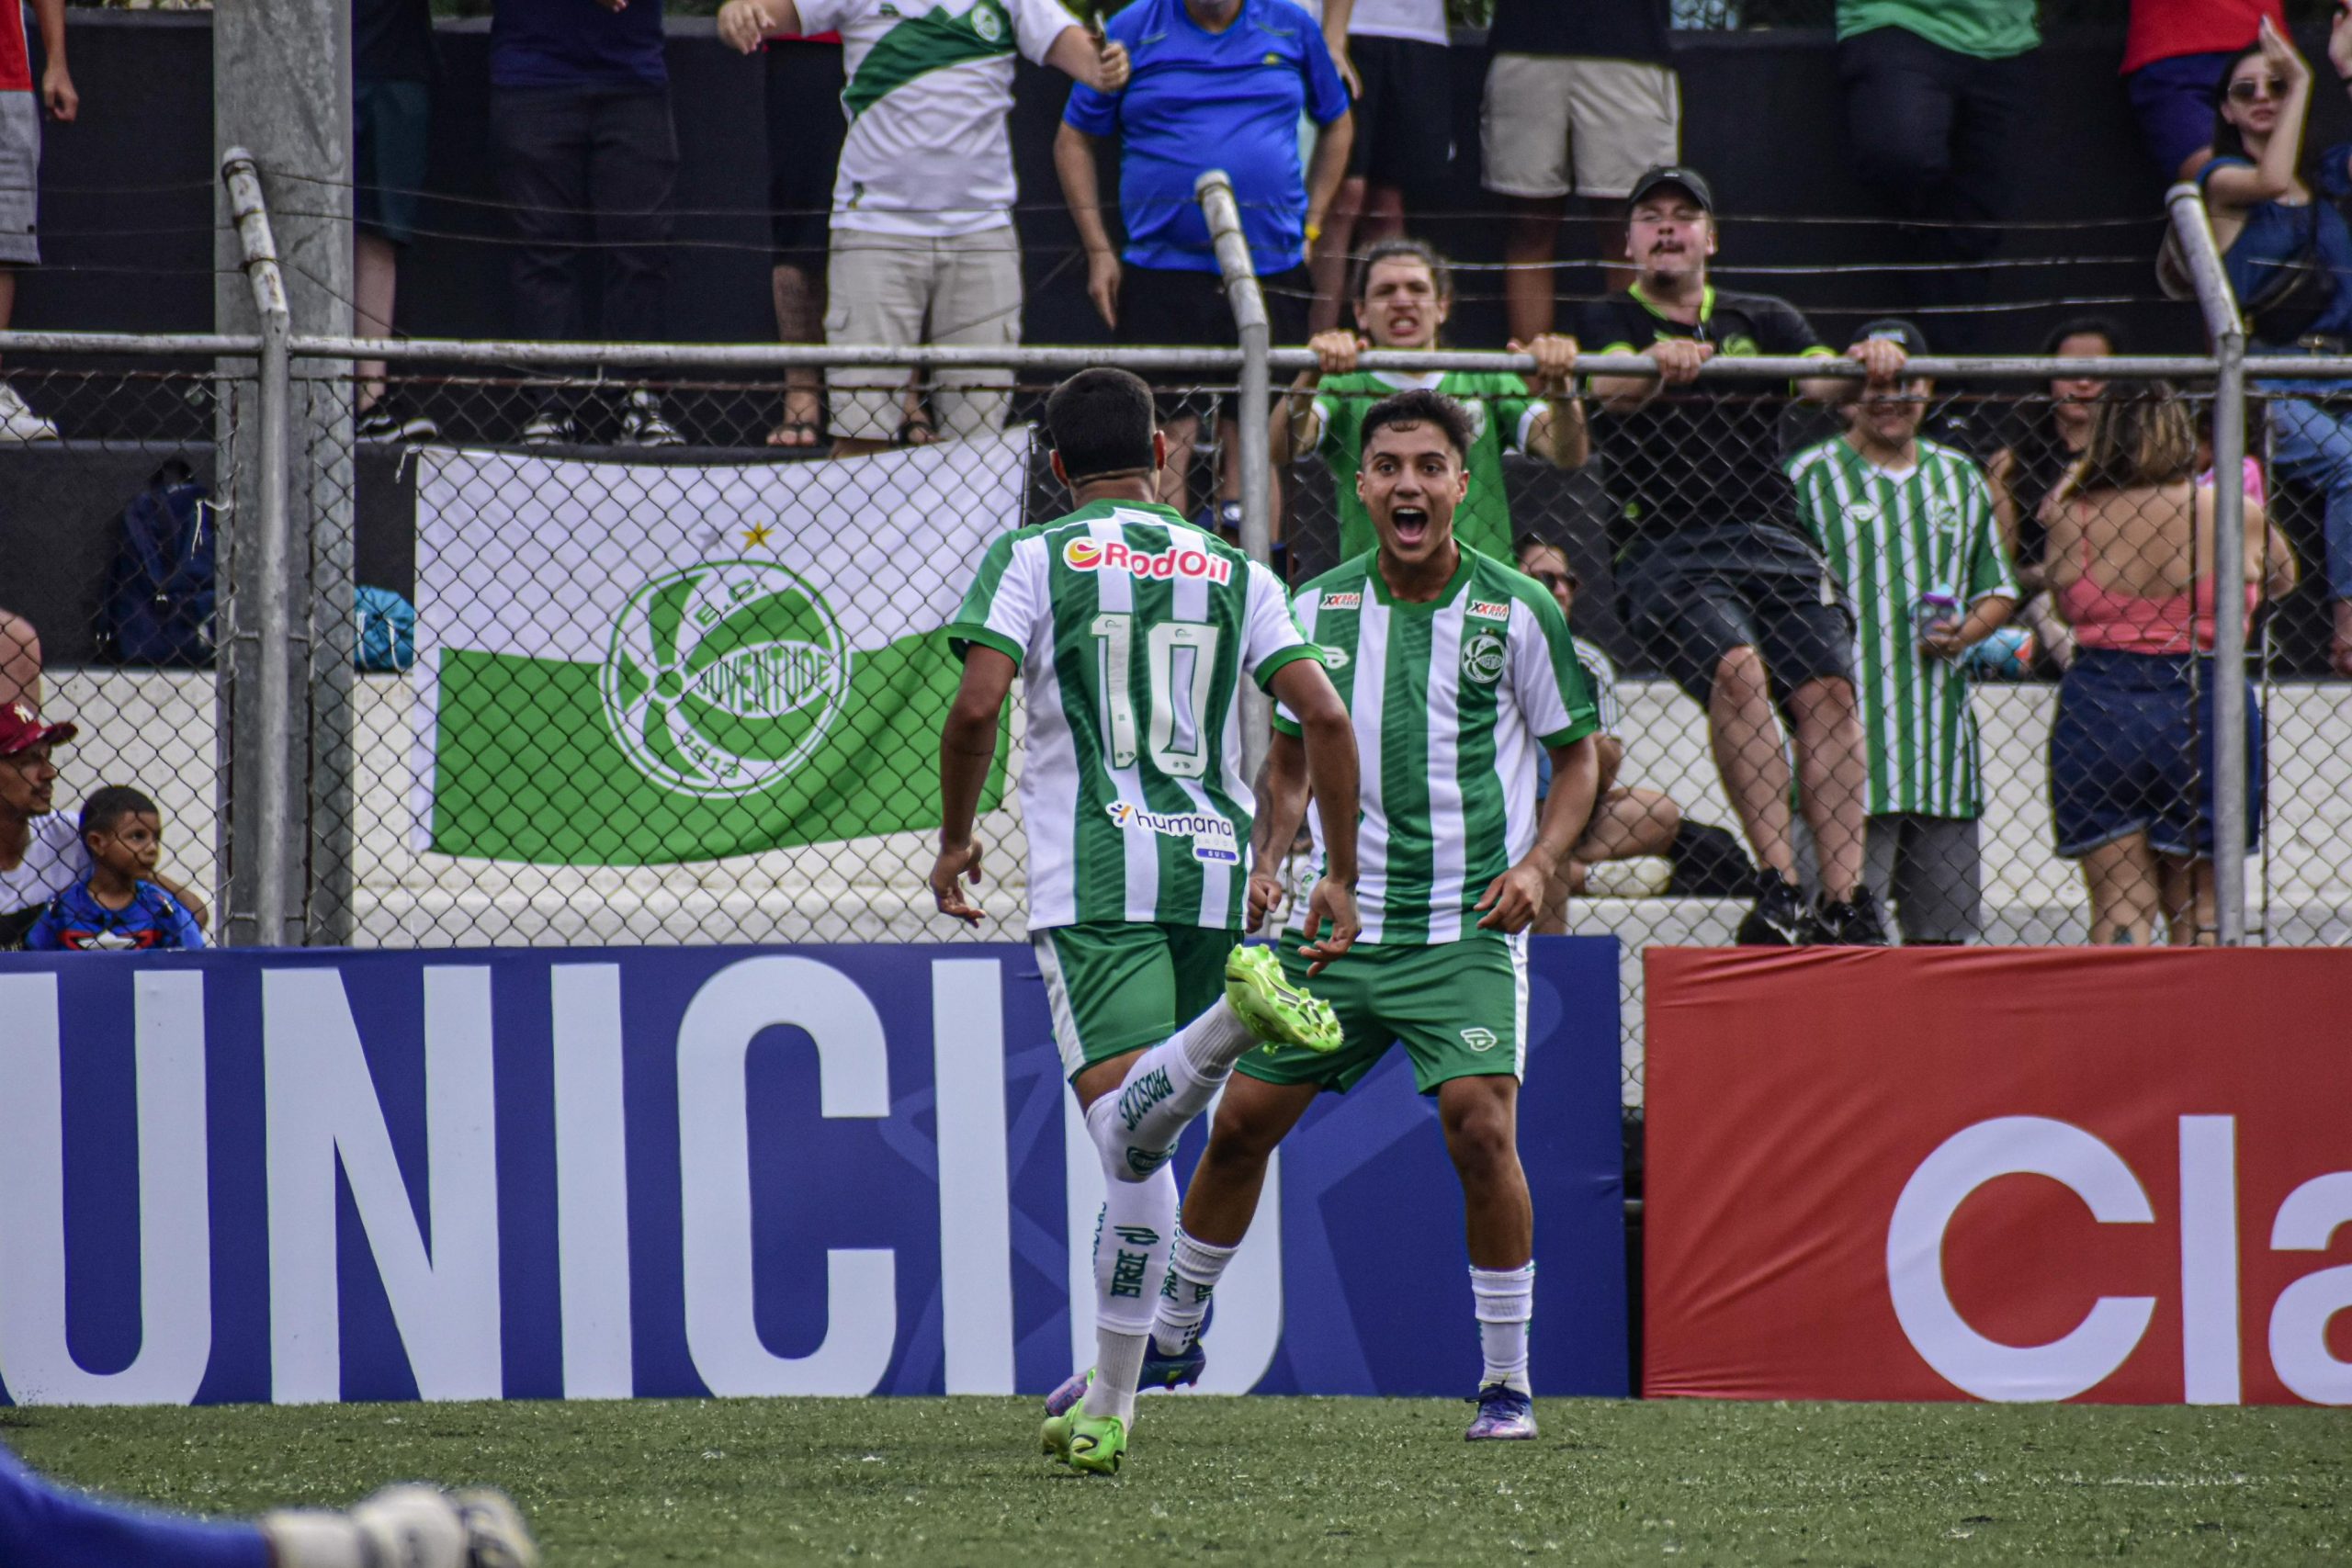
(2112, 1175)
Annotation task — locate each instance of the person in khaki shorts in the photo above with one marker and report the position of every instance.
(923, 245)
(1579, 101)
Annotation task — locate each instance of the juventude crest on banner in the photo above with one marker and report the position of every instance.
(724, 677)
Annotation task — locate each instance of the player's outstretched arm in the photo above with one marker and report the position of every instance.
(966, 747)
(1329, 741)
(1512, 900)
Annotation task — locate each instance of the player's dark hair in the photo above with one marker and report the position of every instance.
(1420, 406)
(1440, 274)
(1101, 423)
(109, 803)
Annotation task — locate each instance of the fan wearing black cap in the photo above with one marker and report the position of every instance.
(1714, 574)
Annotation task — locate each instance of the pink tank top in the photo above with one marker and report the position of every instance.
(2128, 623)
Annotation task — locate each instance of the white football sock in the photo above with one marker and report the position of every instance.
(1131, 1242)
(1505, 1302)
(1169, 1085)
(1193, 1269)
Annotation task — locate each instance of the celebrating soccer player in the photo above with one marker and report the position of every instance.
(1456, 669)
(1133, 630)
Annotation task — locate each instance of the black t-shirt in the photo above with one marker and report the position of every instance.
(1600, 30)
(392, 40)
(1705, 459)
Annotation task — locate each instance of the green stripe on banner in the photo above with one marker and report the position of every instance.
(529, 767)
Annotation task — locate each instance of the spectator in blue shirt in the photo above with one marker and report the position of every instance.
(116, 908)
(587, 157)
(1215, 84)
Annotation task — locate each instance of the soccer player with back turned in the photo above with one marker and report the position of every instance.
(1133, 631)
(1457, 670)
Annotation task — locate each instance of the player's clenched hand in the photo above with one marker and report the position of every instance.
(1335, 902)
(1513, 899)
(1266, 894)
(956, 863)
(1677, 359)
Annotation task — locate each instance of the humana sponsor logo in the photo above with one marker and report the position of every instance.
(1097, 555)
(1179, 824)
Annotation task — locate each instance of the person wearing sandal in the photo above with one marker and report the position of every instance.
(922, 247)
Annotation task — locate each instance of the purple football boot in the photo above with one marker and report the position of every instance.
(1159, 1371)
(1504, 1414)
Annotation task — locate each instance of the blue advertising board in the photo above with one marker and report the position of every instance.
(524, 1173)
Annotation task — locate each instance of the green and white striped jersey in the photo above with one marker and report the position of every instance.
(1134, 631)
(1891, 537)
(1452, 701)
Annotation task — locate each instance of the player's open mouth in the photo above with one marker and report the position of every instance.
(1412, 525)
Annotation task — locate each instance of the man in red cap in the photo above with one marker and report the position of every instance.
(41, 852)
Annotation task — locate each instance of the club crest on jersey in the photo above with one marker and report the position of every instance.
(1482, 658)
(1191, 565)
(1213, 837)
(1492, 609)
(1343, 602)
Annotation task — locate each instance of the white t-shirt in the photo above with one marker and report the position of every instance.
(1423, 21)
(54, 861)
(929, 88)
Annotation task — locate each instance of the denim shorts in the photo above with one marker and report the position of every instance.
(2132, 751)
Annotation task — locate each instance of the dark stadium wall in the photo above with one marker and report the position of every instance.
(126, 191)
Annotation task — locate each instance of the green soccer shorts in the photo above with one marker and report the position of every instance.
(1119, 988)
(1459, 1009)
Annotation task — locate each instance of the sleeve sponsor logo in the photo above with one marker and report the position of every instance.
(1213, 837)
(1490, 609)
(1096, 555)
(1334, 658)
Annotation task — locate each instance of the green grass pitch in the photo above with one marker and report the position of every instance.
(1294, 1481)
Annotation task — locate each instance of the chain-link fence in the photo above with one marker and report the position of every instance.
(631, 690)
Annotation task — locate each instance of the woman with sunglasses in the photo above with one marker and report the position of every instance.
(2288, 250)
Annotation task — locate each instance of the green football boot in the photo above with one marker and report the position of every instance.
(1094, 1444)
(1277, 1011)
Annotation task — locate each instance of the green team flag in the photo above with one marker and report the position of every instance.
(632, 664)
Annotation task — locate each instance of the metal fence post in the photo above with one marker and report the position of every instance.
(2228, 332)
(262, 828)
(1214, 191)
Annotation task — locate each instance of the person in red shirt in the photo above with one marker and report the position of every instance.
(2174, 55)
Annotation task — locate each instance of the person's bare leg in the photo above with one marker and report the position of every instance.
(1480, 1117)
(2125, 891)
(1328, 265)
(1629, 822)
(2192, 911)
(1835, 774)
(1251, 1119)
(799, 299)
(375, 277)
(1745, 732)
(19, 660)
(1529, 289)
(1228, 459)
(1183, 431)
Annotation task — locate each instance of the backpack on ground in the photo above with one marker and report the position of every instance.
(160, 589)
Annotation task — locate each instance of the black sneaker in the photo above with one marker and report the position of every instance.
(1855, 923)
(644, 424)
(1777, 917)
(550, 428)
(389, 420)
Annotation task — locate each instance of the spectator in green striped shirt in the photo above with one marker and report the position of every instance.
(1908, 527)
(1404, 293)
